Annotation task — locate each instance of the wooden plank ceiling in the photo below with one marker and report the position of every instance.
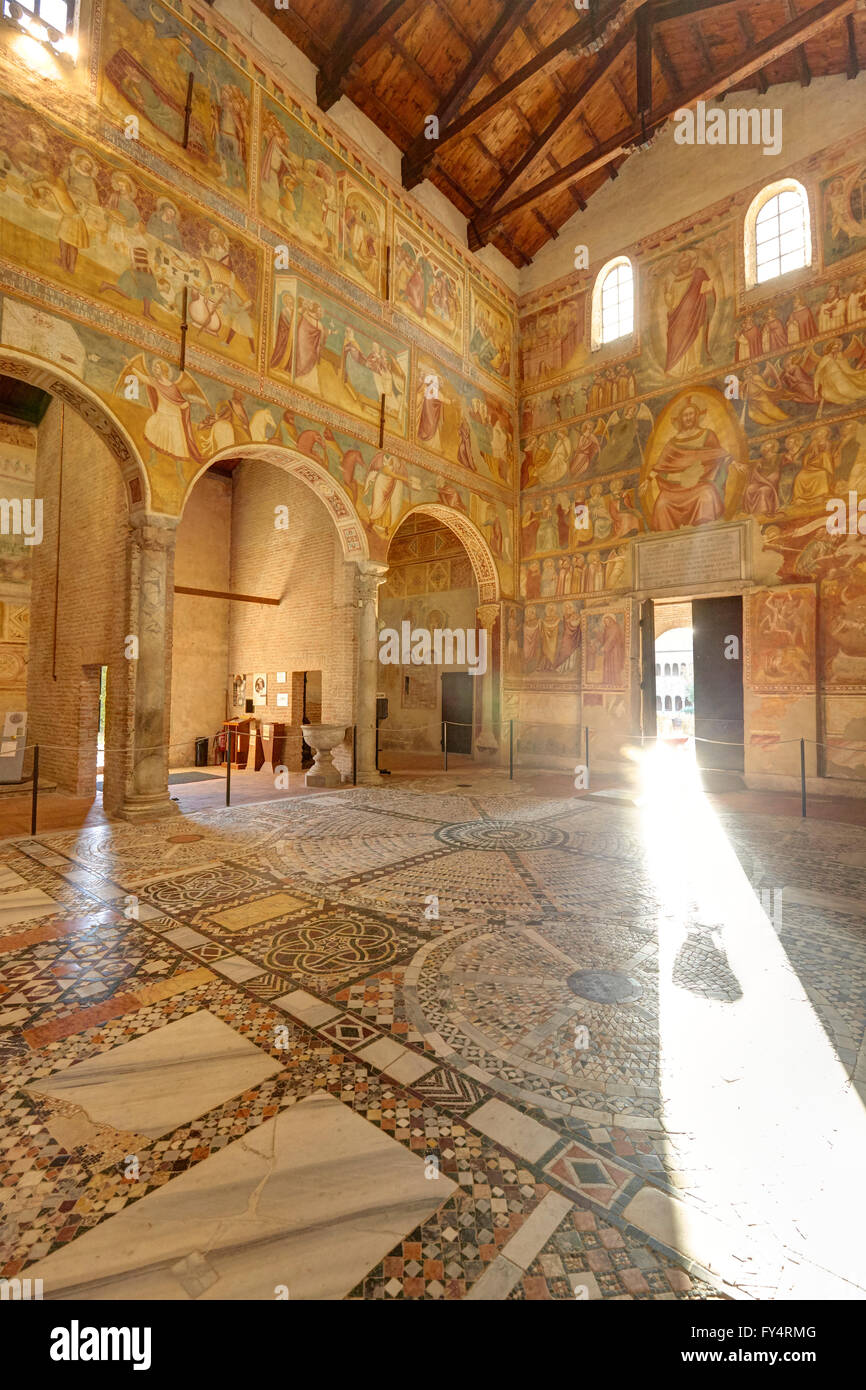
(539, 102)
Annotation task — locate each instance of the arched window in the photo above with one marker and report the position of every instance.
(778, 232)
(658, 669)
(675, 669)
(678, 704)
(667, 668)
(667, 702)
(613, 302)
(659, 703)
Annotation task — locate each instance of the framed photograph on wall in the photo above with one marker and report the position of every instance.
(239, 691)
(260, 689)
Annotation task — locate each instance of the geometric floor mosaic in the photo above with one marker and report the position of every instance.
(542, 1019)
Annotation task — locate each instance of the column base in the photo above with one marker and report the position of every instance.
(370, 779)
(147, 808)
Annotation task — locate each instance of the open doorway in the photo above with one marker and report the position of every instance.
(100, 732)
(675, 683)
(692, 678)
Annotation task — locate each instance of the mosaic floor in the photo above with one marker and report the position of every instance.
(436, 1041)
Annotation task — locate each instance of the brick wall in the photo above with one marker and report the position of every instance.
(200, 633)
(17, 473)
(313, 629)
(430, 583)
(91, 612)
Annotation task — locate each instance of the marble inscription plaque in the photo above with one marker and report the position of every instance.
(701, 557)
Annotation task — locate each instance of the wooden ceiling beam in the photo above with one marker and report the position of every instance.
(610, 169)
(698, 32)
(539, 148)
(748, 34)
(420, 73)
(790, 36)
(666, 10)
(644, 59)
(560, 86)
(358, 30)
(422, 150)
(570, 38)
(458, 193)
(853, 60)
(802, 60)
(666, 63)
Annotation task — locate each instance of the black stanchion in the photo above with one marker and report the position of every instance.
(354, 755)
(511, 750)
(35, 797)
(803, 777)
(229, 768)
(445, 741)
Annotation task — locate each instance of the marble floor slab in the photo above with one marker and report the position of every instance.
(518, 1132)
(310, 1200)
(25, 906)
(159, 1081)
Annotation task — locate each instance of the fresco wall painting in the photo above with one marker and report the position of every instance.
(491, 336)
(121, 248)
(328, 351)
(305, 191)
(553, 339)
(463, 422)
(661, 442)
(92, 223)
(148, 56)
(427, 285)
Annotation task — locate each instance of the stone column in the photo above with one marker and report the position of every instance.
(370, 575)
(487, 742)
(151, 609)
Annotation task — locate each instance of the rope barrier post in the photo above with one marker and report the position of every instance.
(511, 750)
(586, 749)
(229, 769)
(803, 777)
(35, 797)
(445, 741)
(354, 755)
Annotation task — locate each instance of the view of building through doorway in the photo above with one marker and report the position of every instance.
(675, 683)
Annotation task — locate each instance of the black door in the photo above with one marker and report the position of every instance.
(647, 669)
(718, 656)
(457, 687)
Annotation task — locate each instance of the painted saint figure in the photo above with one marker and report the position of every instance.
(690, 298)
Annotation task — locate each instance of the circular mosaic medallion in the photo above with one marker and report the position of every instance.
(183, 839)
(500, 835)
(604, 986)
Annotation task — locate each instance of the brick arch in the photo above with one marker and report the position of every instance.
(315, 476)
(67, 388)
(479, 552)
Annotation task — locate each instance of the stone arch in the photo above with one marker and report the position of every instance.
(479, 552)
(92, 409)
(338, 504)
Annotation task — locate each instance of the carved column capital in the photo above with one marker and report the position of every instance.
(487, 614)
(370, 575)
(154, 533)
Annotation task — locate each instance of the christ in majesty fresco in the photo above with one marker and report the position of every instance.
(689, 473)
